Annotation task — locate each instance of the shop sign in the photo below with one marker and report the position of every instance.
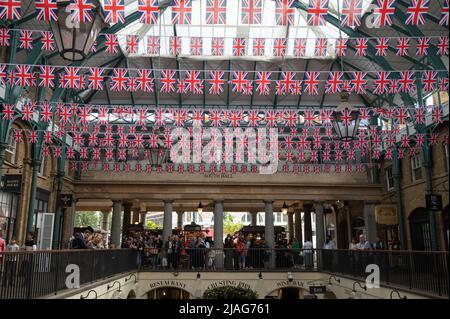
(12, 183)
(386, 214)
(434, 202)
(317, 289)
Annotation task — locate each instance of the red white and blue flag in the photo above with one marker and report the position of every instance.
(312, 82)
(111, 43)
(299, 47)
(23, 75)
(95, 78)
(47, 76)
(216, 82)
(444, 13)
(119, 80)
(239, 81)
(251, 11)
(114, 11)
(153, 45)
(4, 37)
(334, 82)
(26, 39)
(10, 9)
(167, 81)
(145, 80)
(382, 83)
(196, 45)
(239, 45)
(279, 47)
(81, 10)
(216, 11)
(351, 13)
(402, 46)
(317, 12)
(258, 46)
(48, 41)
(384, 12)
(149, 11)
(263, 82)
(181, 12)
(382, 46)
(417, 11)
(285, 12)
(442, 46)
(423, 44)
(217, 45)
(175, 45)
(47, 10)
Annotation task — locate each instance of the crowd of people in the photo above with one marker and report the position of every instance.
(89, 239)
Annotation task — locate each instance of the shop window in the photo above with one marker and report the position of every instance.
(389, 178)
(416, 167)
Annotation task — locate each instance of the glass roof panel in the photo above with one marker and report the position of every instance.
(234, 27)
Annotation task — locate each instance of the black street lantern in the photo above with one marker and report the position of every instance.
(346, 119)
(75, 39)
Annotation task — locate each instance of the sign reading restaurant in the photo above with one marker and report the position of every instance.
(167, 283)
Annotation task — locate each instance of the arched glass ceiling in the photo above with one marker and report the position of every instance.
(232, 28)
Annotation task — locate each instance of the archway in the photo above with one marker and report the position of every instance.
(131, 295)
(168, 293)
(419, 225)
(342, 235)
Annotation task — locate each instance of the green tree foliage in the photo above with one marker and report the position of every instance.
(152, 225)
(230, 292)
(229, 226)
(84, 219)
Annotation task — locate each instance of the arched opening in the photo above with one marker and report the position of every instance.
(342, 235)
(419, 225)
(131, 295)
(445, 226)
(168, 293)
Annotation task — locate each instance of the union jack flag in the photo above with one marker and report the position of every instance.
(359, 83)
(279, 47)
(381, 46)
(361, 46)
(334, 82)
(181, 12)
(258, 46)
(216, 82)
(114, 11)
(402, 46)
(251, 12)
(321, 47)
(429, 80)
(382, 83)
(95, 78)
(26, 39)
(153, 45)
(81, 10)
(193, 82)
(239, 81)
(417, 11)
(48, 41)
(317, 12)
(239, 45)
(444, 13)
(384, 12)
(263, 82)
(111, 43)
(312, 83)
(119, 80)
(217, 45)
(196, 45)
(406, 82)
(351, 13)
(442, 46)
(10, 9)
(341, 47)
(149, 11)
(8, 111)
(167, 81)
(47, 76)
(132, 43)
(423, 44)
(175, 45)
(4, 37)
(47, 10)
(23, 76)
(216, 11)
(443, 84)
(299, 47)
(145, 80)
(285, 13)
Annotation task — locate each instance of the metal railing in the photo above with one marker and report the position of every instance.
(29, 275)
(37, 274)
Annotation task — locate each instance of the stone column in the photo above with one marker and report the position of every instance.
(68, 223)
(136, 211)
(126, 218)
(218, 232)
(254, 218)
(307, 222)
(167, 223)
(115, 225)
(142, 216)
(298, 226)
(290, 225)
(320, 225)
(180, 219)
(269, 235)
(370, 224)
(105, 219)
